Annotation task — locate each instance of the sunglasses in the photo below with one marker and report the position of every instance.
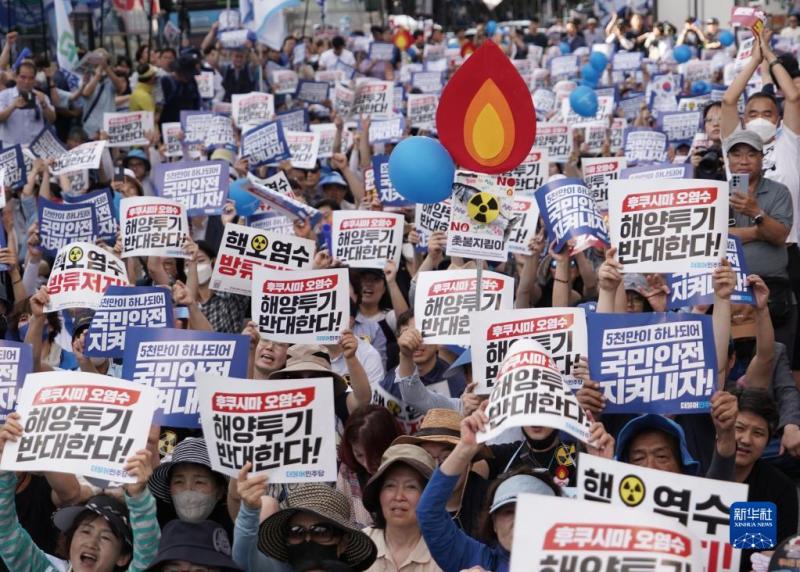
(321, 533)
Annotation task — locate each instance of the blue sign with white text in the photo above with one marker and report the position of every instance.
(754, 525)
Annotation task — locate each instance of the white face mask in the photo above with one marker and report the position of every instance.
(193, 506)
(204, 272)
(763, 128)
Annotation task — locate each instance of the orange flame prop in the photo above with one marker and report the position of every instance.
(402, 39)
(486, 118)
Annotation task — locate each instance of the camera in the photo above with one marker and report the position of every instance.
(711, 165)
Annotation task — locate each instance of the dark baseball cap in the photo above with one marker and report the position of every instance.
(114, 512)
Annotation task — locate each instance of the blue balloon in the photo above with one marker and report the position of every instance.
(584, 101)
(700, 87)
(246, 204)
(564, 46)
(682, 53)
(421, 170)
(491, 27)
(598, 61)
(726, 38)
(589, 73)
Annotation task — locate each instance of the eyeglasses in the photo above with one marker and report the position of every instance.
(321, 533)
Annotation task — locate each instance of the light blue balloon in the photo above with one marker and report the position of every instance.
(421, 170)
(700, 87)
(598, 61)
(583, 101)
(491, 27)
(246, 204)
(564, 46)
(726, 38)
(682, 53)
(589, 73)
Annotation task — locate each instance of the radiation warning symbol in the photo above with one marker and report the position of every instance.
(631, 489)
(167, 442)
(483, 207)
(259, 242)
(564, 455)
(75, 254)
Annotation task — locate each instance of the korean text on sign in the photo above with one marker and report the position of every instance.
(367, 239)
(153, 226)
(16, 362)
(81, 274)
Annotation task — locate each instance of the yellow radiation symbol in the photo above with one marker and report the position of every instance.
(631, 489)
(394, 408)
(75, 254)
(483, 207)
(167, 443)
(564, 455)
(259, 242)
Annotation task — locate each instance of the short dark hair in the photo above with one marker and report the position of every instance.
(330, 203)
(27, 64)
(337, 42)
(418, 33)
(376, 29)
(379, 521)
(162, 51)
(759, 402)
(709, 106)
(404, 319)
(89, 516)
(764, 95)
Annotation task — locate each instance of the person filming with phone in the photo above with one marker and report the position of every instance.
(24, 111)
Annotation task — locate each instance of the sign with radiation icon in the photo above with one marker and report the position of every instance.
(81, 274)
(631, 490)
(244, 249)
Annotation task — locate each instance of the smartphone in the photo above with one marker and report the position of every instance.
(739, 183)
(119, 175)
(181, 313)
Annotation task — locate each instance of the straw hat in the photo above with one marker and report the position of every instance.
(440, 426)
(328, 504)
(305, 361)
(412, 455)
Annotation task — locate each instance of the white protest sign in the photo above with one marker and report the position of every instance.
(327, 138)
(170, 134)
(343, 100)
(303, 146)
(47, 145)
(556, 139)
(200, 187)
(560, 331)
(284, 82)
(524, 220)
(80, 276)
(367, 239)
(444, 300)
(645, 145)
(86, 156)
(421, 110)
(82, 423)
(531, 173)
(153, 226)
(700, 504)
(427, 81)
(374, 99)
(530, 390)
(252, 108)
(285, 427)
(676, 225)
(558, 533)
(127, 129)
(597, 172)
(205, 84)
(430, 218)
(243, 249)
(386, 131)
(301, 306)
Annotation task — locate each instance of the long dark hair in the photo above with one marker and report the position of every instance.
(374, 427)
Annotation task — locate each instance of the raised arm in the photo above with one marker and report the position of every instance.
(791, 96)
(760, 371)
(609, 277)
(724, 281)
(730, 100)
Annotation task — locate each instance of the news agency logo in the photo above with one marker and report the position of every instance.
(753, 525)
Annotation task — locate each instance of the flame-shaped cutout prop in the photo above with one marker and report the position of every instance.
(486, 118)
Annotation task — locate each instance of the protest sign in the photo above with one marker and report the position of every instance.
(303, 147)
(421, 110)
(525, 216)
(693, 103)
(374, 99)
(531, 173)
(271, 221)
(605, 109)
(428, 81)
(219, 132)
(658, 171)
(563, 67)
(232, 39)
(430, 218)
(327, 138)
(201, 188)
(312, 91)
(82, 423)
(16, 362)
(252, 108)
(301, 306)
(445, 298)
(480, 216)
(343, 100)
(168, 359)
(47, 145)
(285, 427)
(265, 144)
(73, 184)
(556, 139)
(194, 125)
(544, 101)
(387, 195)
(529, 390)
(702, 505)
(331, 77)
(367, 239)
(560, 331)
(645, 145)
(294, 120)
(124, 307)
(80, 276)
(274, 193)
(86, 156)
(631, 103)
(407, 416)
(569, 212)
(653, 362)
(668, 226)
(389, 131)
(101, 201)
(381, 52)
(679, 126)
(624, 61)
(205, 84)
(61, 224)
(12, 165)
(558, 533)
(170, 135)
(689, 289)
(597, 172)
(749, 17)
(284, 82)
(153, 226)
(244, 249)
(127, 129)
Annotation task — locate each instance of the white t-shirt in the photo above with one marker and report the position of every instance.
(328, 59)
(370, 360)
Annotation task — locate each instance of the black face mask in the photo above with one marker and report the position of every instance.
(307, 553)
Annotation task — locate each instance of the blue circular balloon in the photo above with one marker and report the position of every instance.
(700, 87)
(491, 27)
(246, 204)
(726, 38)
(589, 73)
(421, 170)
(584, 101)
(564, 47)
(598, 61)
(682, 53)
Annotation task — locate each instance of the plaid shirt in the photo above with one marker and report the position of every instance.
(226, 312)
